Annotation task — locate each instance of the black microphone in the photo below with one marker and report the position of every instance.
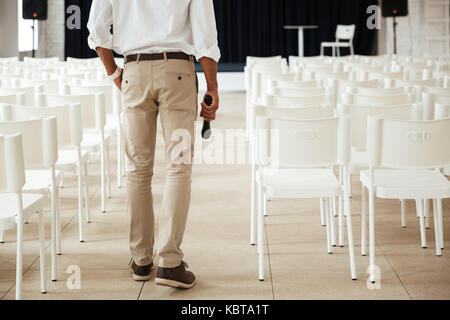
(206, 131)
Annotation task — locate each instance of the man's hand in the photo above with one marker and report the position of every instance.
(118, 82)
(210, 70)
(107, 57)
(209, 112)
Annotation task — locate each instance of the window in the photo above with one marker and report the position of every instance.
(26, 32)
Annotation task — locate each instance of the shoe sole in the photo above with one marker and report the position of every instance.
(173, 283)
(140, 278)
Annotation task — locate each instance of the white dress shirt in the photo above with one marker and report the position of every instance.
(154, 26)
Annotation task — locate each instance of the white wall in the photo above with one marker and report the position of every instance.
(8, 28)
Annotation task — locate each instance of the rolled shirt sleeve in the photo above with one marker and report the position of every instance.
(99, 25)
(204, 29)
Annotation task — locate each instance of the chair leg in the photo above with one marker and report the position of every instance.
(341, 221)
(252, 199)
(333, 203)
(332, 227)
(441, 225)
(437, 228)
(86, 192)
(351, 247)
(53, 222)
(265, 205)
(372, 234)
(119, 158)
(2, 236)
(19, 253)
(103, 173)
(352, 50)
(80, 199)
(322, 49)
(61, 182)
(403, 212)
(363, 221)
(322, 213)
(108, 171)
(42, 252)
(349, 178)
(327, 214)
(417, 209)
(260, 231)
(427, 213)
(58, 223)
(423, 235)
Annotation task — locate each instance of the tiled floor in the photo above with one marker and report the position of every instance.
(216, 244)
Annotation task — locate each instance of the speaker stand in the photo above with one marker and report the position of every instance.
(33, 28)
(394, 24)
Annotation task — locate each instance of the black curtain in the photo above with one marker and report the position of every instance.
(255, 27)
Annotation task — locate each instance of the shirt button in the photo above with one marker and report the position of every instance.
(179, 78)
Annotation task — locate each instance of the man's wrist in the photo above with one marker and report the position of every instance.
(212, 87)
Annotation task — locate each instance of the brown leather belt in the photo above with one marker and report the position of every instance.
(158, 56)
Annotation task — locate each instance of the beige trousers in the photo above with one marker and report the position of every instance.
(167, 88)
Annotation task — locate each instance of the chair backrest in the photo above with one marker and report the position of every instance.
(39, 138)
(297, 91)
(12, 168)
(9, 60)
(29, 92)
(262, 60)
(376, 91)
(408, 144)
(307, 112)
(359, 115)
(345, 32)
(68, 117)
(43, 61)
(442, 111)
(106, 89)
(297, 101)
(287, 143)
(92, 107)
(294, 84)
(430, 101)
(48, 85)
(378, 100)
(13, 98)
(85, 61)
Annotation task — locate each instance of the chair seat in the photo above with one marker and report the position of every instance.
(359, 161)
(68, 159)
(408, 184)
(301, 183)
(39, 180)
(32, 202)
(92, 139)
(335, 44)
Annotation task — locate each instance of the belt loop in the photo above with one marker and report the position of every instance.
(191, 58)
(165, 56)
(138, 58)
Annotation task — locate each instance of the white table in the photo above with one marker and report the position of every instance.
(300, 36)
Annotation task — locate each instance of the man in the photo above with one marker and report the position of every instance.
(159, 39)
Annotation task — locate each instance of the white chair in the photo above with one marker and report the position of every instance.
(40, 148)
(9, 60)
(13, 98)
(299, 112)
(94, 120)
(29, 91)
(16, 207)
(342, 33)
(413, 151)
(299, 165)
(70, 156)
(377, 100)
(114, 106)
(41, 61)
